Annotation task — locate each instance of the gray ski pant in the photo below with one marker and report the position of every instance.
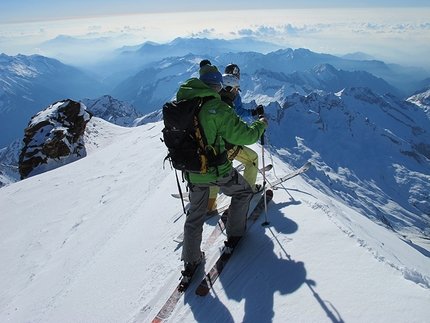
(232, 184)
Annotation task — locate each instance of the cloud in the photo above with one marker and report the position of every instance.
(129, 29)
(204, 33)
(266, 31)
(94, 27)
(289, 29)
(245, 32)
(333, 31)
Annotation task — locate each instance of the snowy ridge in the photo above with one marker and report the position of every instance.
(112, 110)
(422, 100)
(103, 249)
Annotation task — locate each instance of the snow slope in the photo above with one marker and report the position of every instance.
(92, 242)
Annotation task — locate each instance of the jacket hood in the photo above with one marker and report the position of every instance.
(195, 88)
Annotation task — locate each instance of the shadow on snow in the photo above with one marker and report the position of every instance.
(254, 278)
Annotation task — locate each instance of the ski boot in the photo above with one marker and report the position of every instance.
(188, 273)
(230, 244)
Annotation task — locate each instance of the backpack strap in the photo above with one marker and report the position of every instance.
(203, 142)
(219, 159)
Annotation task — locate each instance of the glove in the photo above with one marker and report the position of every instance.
(258, 111)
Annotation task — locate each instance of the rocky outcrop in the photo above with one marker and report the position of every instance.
(54, 137)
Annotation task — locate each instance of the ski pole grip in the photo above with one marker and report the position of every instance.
(262, 136)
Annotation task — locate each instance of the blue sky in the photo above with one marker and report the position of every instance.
(393, 31)
(36, 10)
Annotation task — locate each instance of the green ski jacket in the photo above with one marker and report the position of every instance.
(218, 121)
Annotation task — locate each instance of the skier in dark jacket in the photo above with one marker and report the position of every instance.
(219, 121)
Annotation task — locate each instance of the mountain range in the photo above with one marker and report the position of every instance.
(147, 76)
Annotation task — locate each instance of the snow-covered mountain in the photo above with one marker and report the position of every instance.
(113, 110)
(326, 78)
(422, 100)
(149, 89)
(91, 242)
(367, 145)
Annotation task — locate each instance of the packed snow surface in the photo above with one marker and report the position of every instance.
(92, 241)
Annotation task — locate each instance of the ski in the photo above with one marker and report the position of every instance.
(213, 274)
(241, 167)
(179, 238)
(301, 170)
(219, 228)
(218, 210)
(185, 196)
(221, 197)
(169, 306)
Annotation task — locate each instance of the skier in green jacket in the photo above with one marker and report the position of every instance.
(219, 121)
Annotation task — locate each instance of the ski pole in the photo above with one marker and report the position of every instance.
(262, 157)
(264, 179)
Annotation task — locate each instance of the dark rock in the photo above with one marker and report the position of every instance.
(53, 135)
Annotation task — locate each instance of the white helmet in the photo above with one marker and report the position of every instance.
(230, 80)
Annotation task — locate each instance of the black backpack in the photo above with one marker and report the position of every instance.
(184, 137)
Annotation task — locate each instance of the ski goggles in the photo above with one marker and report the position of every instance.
(232, 69)
(235, 70)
